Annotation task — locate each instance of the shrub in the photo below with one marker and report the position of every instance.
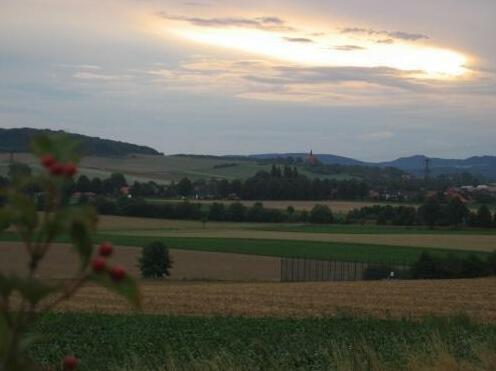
(450, 266)
(377, 272)
(25, 298)
(491, 262)
(155, 261)
(321, 214)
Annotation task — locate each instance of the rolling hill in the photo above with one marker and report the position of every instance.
(104, 156)
(480, 165)
(17, 140)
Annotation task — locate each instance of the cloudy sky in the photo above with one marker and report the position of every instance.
(374, 79)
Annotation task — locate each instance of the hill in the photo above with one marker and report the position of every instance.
(17, 140)
(324, 158)
(477, 165)
(483, 165)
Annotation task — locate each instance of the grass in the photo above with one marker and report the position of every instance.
(162, 169)
(120, 342)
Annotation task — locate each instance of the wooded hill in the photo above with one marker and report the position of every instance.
(18, 140)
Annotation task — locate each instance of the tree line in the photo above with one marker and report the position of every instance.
(435, 211)
(451, 214)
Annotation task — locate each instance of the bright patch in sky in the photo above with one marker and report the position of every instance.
(332, 50)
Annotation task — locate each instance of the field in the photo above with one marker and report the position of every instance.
(223, 307)
(144, 342)
(384, 299)
(188, 264)
(338, 207)
(162, 169)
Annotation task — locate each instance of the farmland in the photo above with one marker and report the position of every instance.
(224, 293)
(339, 207)
(138, 342)
(162, 169)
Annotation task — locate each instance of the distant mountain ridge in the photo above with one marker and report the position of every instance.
(482, 165)
(17, 140)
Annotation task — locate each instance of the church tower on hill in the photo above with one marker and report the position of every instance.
(311, 159)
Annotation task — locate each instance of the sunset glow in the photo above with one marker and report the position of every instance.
(421, 60)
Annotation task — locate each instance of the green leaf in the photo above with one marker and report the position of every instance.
(127, 287)
(6, 286)
(5, 334)
(61, 146)
(35, 291)
(5, 219)
(22, 211)
(81, 241)
(80, 223)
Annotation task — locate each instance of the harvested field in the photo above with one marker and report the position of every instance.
(475, 297)
(188, 265)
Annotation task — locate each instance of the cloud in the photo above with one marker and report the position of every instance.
(376, 136)
(269, 23)
(385, 41)
(399, 35)
(348, 48)
(298, 39)
(84, 75)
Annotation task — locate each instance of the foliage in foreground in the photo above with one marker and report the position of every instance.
(146, 342)
(25, 298)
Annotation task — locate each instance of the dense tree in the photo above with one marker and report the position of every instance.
(236, 212)
(321, 214)
(155, 261)
(216, 211)
(96, 186)
(83, 184)
(484, 217)
(184, 187)
(117, 181)
(456, 212)
(18, 170)
(430, 211)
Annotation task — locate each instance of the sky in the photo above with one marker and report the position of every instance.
(373, 80)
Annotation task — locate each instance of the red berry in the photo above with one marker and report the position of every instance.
(70, 169)
(117, 273)
(98, 264)
(105, 249)
(69, 363)
(47, 160)
(57, 169)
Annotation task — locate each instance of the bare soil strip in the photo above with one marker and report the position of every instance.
(61, 261)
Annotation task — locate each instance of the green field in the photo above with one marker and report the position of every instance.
(372, 229)
(280, 248)
(163, 168)
(138, 342)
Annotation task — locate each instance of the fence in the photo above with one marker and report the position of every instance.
(303, 269)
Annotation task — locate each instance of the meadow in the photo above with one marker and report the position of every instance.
(162, 169)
